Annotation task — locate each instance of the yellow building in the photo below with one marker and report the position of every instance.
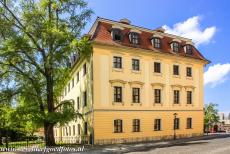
(137, 85)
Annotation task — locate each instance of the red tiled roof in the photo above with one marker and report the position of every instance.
(102, 34)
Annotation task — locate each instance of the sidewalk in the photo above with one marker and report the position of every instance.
(135, 147)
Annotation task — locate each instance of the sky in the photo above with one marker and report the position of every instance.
(206, 22)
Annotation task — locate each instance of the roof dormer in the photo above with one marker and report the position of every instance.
(116, 33)
(175, 45)
(188, 48)
(134, 36)
(156, 41)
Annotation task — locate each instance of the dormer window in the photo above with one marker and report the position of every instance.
(156, 42)
(188, 49)
(134, 38)
(116, 34)
(175, 47)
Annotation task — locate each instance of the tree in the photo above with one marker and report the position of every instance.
(211, 115)
(36, 40)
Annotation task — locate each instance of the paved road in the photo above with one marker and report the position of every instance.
(213, 146)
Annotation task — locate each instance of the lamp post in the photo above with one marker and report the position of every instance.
(174, 128)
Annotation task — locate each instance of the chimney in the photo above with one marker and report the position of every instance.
(125, 21)
(160, 29)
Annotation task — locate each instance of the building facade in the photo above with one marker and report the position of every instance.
(137, 85)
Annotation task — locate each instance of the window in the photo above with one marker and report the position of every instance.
(157, 95)
(73, 130)
(157, 43)
(65, 91)
(175, 46)
(136, 125)
(157, 124)
(77, 77)
(157, 67)
(84, 69)
(188, 49)
(69, 130)
(117, 126)
(78, 103)
(189, 71)
(175, 69)
(189, 123)
(136, 64)
(78, 129)
(116, 33)
(134, 38)
(176, 123)
(69, 87)
(117, 94)
(66, 131)
(85, 98)
(136, 95)
(189, 97)
(85, 128)
(117, 62)
(176, 96)
(72, 82)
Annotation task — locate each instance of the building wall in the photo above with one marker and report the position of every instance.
(67, 133)
(105, 77)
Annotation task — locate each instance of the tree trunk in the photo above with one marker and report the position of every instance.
(49, 134)
(48, 126)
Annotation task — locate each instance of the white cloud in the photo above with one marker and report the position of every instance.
(191, 29)
(216, 74)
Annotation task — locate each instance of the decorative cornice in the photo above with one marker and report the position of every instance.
(136, 82)
(158, 84)
(117, 27)
(135, 31)
(118, 81)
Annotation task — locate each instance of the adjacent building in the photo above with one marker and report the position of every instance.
(137, 85)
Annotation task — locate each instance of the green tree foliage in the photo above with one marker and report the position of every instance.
(37, 37)
(210, 115)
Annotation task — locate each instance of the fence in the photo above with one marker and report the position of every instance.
(26, 143)
(40, 143)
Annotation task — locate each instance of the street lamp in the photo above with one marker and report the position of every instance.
(174, 137)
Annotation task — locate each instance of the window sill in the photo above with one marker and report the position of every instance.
(157, 130)
(136, 71)
(189, 78)
(118, 132)
(175, 104)
(176, 76)
(188, 128)
(136, 132)
(118, 69)
(158, 104)
(189, 104)
(157, 74)
(136, 104)
(118, 103)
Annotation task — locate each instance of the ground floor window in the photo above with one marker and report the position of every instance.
(117, 126)
(189, 123)
(157, 124)
(136, 125)
(176, 123)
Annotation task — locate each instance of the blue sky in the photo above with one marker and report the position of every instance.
(207, 22)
